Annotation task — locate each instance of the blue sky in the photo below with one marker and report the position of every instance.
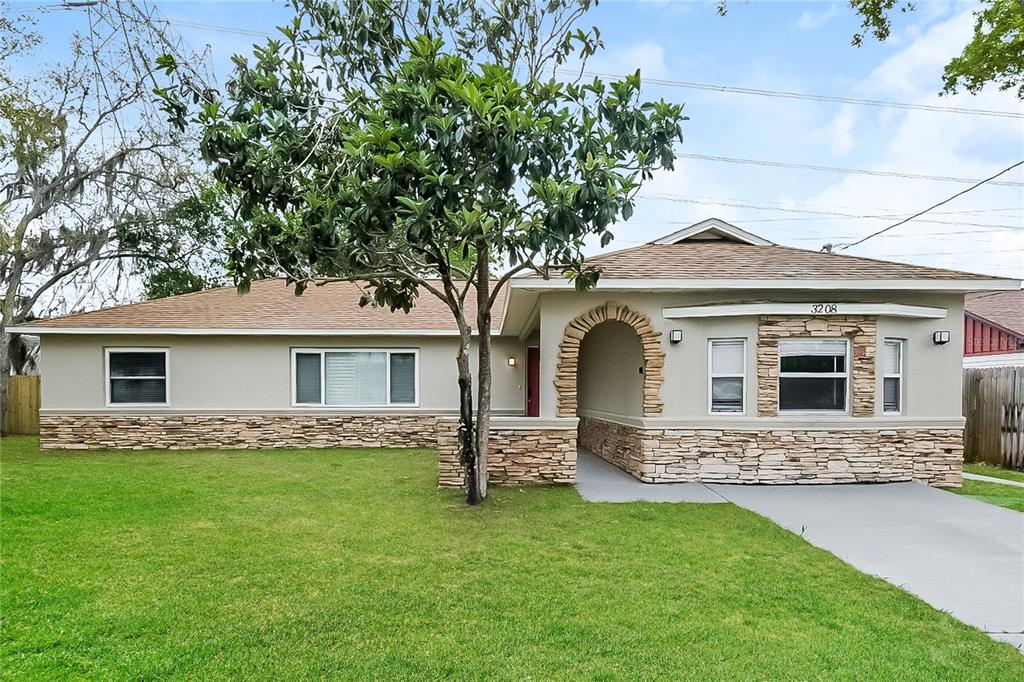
(785, 46)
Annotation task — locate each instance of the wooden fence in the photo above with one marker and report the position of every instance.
(21, 408)
(994, 408)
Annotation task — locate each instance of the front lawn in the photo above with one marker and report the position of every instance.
(1009, 496)
(350, 563)
(995, 472)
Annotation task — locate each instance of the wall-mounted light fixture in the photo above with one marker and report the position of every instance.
(940, 337)
(511, 361)
(675, 336)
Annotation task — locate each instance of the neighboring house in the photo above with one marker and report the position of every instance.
(994, 329)
(710, 354)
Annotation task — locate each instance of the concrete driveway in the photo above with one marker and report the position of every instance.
(959, 555)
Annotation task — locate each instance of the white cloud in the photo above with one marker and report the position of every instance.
(839, 134)
(648, 56)
(936, 144)
(809, 21)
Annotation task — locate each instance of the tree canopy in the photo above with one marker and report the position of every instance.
(433, 158)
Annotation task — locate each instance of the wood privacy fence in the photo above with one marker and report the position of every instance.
(994, 408)
(21, 406)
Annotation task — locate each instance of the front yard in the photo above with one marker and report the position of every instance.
(281, 564)
(1009, 496)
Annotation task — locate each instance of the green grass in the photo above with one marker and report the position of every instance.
(352, 564)
(1009, 496)
(995, 472)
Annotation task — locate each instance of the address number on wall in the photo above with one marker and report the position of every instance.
(824, 308)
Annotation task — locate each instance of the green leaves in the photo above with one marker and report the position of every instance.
(395, 176)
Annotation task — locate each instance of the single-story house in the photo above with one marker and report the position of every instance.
(710, 354)
(994, 329)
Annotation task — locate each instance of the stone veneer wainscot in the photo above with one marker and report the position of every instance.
(521, 451)
(779, 455)
(127, 431)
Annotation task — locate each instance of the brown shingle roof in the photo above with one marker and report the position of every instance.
(271, 304)
(730, 260)
(1005, 308)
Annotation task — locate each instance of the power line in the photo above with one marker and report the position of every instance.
(831, 214)
(834, 169)
(811, 97)
(933, 206)
(211, 27)
(944, 253)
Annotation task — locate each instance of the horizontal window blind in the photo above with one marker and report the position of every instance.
(355, 378)
(352, 378)
(891, 357)
(790, 348)
(727, 357)
(137, 377)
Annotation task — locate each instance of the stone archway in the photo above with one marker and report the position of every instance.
(569, 354)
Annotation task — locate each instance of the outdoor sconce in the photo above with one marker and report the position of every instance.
(675, 336)
(511, 361)
(940, 337)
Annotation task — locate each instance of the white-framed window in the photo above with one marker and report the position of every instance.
(814, 375)
(727, 375)
(355, 377)
(137, 376)
(892, 376)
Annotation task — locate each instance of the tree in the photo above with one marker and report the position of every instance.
(995, 53)
(416, 162)
(89, 170)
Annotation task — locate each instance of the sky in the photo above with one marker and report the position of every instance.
(797, 47)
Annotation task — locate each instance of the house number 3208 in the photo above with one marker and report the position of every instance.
(823, 308)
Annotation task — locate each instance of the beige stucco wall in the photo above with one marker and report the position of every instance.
(236, 373)
(932, 373)
(609, 378)
(253, 373)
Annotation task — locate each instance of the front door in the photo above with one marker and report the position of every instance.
(533, 382)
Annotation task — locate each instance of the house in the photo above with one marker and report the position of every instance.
(710, 354)
(994, 329)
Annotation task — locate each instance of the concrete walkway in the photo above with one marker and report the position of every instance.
(993, 479)
(958, 554)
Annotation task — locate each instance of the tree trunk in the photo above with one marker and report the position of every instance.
(467, 444)
(483, 324)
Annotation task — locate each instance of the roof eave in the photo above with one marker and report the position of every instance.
(673, 284)
(231, 331)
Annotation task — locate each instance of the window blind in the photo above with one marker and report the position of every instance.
(727, 357)
(891, 357)
(355, 378)
(788, 348)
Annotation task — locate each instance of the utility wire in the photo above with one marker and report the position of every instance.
(658, 81)
(831, 214)
(834, 169)
(933, 206)
(811, 97)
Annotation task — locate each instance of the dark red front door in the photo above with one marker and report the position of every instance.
(533, 382)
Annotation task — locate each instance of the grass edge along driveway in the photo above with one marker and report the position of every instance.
(352, 564)
(1009, 496)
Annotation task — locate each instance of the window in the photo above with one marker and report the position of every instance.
(136, 376)
(354, 378)
(892, 376)
(813, 374)
(727, 364)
